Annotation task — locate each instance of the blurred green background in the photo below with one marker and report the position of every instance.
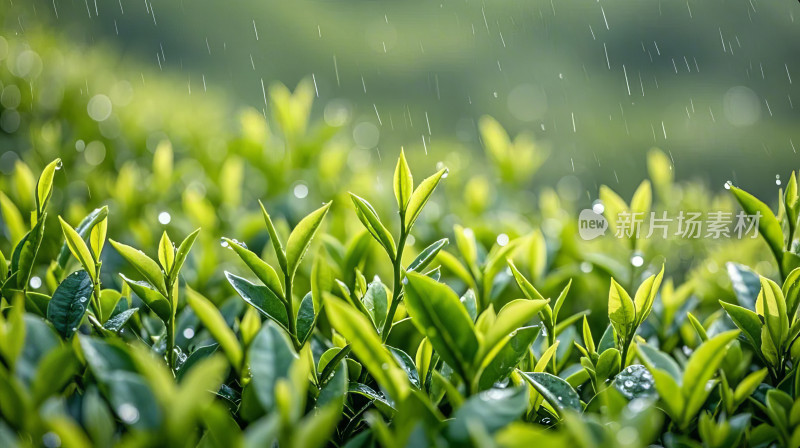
(599, 82)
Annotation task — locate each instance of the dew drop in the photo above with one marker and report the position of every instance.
(188, 333)
(637, 260)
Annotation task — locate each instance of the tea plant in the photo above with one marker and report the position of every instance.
(447, 354)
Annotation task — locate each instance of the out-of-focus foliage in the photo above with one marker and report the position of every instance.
(334, 313)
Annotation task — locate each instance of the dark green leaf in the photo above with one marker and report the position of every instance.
(260, 298)
(376, 302)
(635, 382)
(407, 364)
(437, 312)
(271, 358)
(555, 390)
(260, 268)
(427, 255)
(505, 360)
(494, 409)
(69, 303)
(306, 318)
(116, 323)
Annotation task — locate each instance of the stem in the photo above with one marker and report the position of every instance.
(398, 285)
(171, 331)
(289, 305)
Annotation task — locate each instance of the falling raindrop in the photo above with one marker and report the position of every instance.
(188, 333)
(598, 207)
(637, 260)
(164, 218)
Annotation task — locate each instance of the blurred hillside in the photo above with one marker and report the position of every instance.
(710, 82)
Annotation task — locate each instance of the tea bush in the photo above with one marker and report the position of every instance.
(453, 311)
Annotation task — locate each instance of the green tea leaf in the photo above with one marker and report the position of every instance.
(143, 264)
(407, 364)
(271, 358)
(555, 390)
(166, 252)
(438, 314)
(260, 268)
(306, 318)
(420, 197)
(701, 368)
(494, 409)
(655, 359)
(152, 298)
(84, 229)
(181, 253)
(768, 225)
(116, 323)
(24, 255)
(215, 324)
(635, 382)
(12, 219)
(301, 236)
(260, 298)
(403, 182)
(511, 317)
(746, 320)
(621, 309)
(427, 255)
(44, 187)
(97, 238)
(746, 284)
(646, 295)
(369, 218)
(366, 344)
(503, 362)
(376, 302)
(69, 303)
(276, 242)
(79, 249)
(773, 305)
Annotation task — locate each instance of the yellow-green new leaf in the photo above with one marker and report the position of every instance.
(438, 314)
(166, 252)
(768, 225)
(700, 368)
(97, 238)
(181, 253)
(513, 315)
(621, 310)
(143, 264)
(369, 218)
(301, 237)
(642, 198)
(420, 197)
(772, 305)
(211, 318)
(44, 187)
(646, 295)
(403, 182)
(273, 236)
(367, 346)
(79, 249)
(260, 268)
